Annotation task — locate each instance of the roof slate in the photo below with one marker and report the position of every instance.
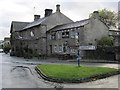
(35, 23)
(56, 16)
(70, 25)
(18, 26)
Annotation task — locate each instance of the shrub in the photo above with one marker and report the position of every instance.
(105, 41)
(6, 47)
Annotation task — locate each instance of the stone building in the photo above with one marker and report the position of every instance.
(33, 35)
(7, 40)
(55, 33)
(15, 29)
(66, 38)
(116, 35)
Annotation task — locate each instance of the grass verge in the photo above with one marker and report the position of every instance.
(72, 71)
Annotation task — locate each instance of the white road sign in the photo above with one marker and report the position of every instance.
(90, 47)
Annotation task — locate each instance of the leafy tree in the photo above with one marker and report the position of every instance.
(6, 47)
(105, 41)
(108, 17)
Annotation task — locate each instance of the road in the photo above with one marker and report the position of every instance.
(17, 72)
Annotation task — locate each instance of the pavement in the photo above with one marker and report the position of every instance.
(18, 72)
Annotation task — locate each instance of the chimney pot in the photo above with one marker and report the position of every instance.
(58, 7)
(95, 14)
(48, 12)
(36, 17)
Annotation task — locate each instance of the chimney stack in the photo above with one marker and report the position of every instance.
(57, 8)
(95, 14)
(48, 12)
(36, 17)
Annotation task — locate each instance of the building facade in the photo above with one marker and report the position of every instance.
(67, 38)
(55, 33)
(33, 35)
(116, 35)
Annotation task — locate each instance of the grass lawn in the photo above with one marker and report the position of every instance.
(72, 71)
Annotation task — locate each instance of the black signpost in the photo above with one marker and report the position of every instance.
(83, 48)
(78, 58)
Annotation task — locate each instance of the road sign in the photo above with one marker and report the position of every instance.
(90, 47)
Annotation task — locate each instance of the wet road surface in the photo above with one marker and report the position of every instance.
(17, 72)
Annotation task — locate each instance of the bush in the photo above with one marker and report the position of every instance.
(105, 41)
(6, 48)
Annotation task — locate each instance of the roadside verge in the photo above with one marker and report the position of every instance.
(80, 80)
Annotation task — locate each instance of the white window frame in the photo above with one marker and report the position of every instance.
(60, 48)
(55, 48)
(72, 34)
(58, 35)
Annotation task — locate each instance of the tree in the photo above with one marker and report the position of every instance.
(6, 47)
(108, 17)
(105, 41)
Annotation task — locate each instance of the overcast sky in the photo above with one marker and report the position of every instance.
(23, 10)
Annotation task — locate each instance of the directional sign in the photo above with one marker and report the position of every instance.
(90, 47)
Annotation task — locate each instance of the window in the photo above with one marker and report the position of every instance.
(90, 43)
(53, 37)
(58, 34)
(36, 42)
(65, 34)
(32, 34)
(72, 34)
(60, 48)
(117, 33)
(76, 35)
(50, 37)
(72, 50)
(55, 48)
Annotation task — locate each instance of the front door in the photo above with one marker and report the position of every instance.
(50, 49)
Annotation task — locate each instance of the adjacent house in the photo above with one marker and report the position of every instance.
(7, 40)
(16, 27)
(116, 34)
(66, 38)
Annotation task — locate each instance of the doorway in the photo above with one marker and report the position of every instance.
(50, 49)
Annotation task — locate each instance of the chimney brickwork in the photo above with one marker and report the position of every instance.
(36, 17)
(57, 8)
(48, 12)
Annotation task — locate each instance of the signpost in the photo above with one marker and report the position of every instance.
(78, 57)
(81, 48)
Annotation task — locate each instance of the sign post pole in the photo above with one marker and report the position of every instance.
(78, 58)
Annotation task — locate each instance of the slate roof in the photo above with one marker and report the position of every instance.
(44, 19)
(18, 26)
(70, 25)
(35, 23)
